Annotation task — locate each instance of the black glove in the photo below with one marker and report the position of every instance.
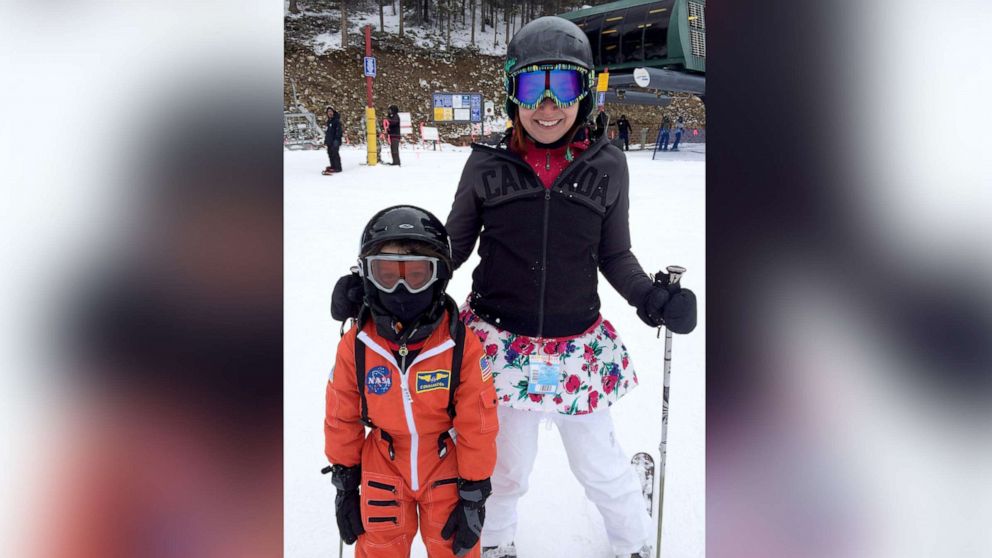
(346, 300)
(668, 305)
(465, 521)
(348, 502)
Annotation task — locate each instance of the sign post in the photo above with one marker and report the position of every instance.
(602, 86)
(370, 136)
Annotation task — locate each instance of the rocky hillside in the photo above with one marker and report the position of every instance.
(409, 72)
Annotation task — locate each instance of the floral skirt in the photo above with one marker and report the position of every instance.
(596, 370)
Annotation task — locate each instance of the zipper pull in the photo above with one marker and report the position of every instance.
(547, 160)
(403, 350)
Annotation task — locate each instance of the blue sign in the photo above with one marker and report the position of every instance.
(369, 66)
(379, 380)
(465, 107)
(602, 98)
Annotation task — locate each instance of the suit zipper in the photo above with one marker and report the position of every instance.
(410, 424)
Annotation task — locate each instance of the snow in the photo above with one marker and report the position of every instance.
(324, 216)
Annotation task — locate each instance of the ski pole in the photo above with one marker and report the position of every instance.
(327, 469)
(675, 273)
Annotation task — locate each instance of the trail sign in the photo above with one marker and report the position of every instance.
(456, 107)
(369, 66)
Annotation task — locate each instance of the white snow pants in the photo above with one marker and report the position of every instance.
(594, 457)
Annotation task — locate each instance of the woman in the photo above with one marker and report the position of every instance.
(550, 213)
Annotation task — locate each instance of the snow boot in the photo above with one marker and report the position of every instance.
(501, 551)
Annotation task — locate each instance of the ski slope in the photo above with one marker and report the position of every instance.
(324, 216)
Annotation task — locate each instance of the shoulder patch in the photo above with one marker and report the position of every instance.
(431, 380)
(378, 380)
(487, 368)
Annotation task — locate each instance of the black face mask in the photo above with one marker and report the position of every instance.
(405, 306)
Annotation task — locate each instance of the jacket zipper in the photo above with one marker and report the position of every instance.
(544, 263)
(410, 424)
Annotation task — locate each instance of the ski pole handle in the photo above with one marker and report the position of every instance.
(675, 273)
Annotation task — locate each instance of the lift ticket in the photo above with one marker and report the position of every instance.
(545, 373)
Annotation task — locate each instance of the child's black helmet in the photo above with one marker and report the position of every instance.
(406, 222)
(402, 223)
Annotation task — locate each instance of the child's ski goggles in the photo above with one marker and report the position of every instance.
(387, 271)
(563, 84)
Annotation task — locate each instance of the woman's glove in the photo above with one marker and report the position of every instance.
(348, 502)
(668, 305)
(346, 300)
(465, 521)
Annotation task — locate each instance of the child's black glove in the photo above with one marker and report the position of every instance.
(668, 305)
(348, 502)
(465, 521)
(346, 300)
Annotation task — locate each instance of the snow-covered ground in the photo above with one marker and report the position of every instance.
(324, 216)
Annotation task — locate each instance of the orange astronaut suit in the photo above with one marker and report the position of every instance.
(409, 460)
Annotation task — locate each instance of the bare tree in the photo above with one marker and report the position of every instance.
(344, 24)
(495, 26)
(447, 13)
(506, 21)
(400, 2)
(473, 22)
(382, 16)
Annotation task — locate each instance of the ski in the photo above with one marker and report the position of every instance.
(643, 465)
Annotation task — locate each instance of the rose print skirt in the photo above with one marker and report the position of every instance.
(596, 369)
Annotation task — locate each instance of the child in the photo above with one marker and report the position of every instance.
(409, 372)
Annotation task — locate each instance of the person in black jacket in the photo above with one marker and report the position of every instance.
(332, 139)
(602, 122)
(394, 133)
(623, 125)
(549, 215)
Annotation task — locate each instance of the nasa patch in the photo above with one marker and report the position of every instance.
(378, 380)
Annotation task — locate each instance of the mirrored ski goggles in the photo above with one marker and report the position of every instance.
(387, 271)
(565, 85)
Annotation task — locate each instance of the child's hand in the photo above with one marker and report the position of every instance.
(348, 502)
(465, 521)
(346, 300)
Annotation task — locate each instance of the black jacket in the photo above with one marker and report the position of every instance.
(541, 249)
(624, 126)
(394, 125)
(334, 131)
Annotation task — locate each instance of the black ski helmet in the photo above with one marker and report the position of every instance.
(548, 40)
(406, 223)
